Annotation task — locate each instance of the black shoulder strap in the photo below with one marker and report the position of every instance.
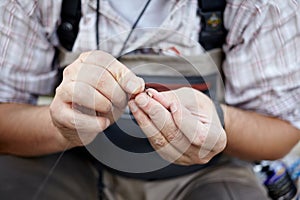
(212, 33)
(68, 29)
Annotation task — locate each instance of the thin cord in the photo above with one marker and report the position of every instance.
(44, 183)
(97, 25)
(133, 27)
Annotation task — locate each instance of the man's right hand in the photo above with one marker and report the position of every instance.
(92, 95)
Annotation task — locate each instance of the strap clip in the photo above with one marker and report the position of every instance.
(213, 33)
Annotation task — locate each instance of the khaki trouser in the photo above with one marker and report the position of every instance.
(230, 180)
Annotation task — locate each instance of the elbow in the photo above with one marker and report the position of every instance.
(277, 154)
(273, 156)
(3, 149)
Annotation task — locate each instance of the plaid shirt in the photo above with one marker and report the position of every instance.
(262, 65)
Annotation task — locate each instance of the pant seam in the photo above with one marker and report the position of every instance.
(229, 192)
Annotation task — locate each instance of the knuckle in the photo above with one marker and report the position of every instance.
(120, 74)
(58, 90)
(83, 56)
(68, 71)
(64, 92)
(199, 139)
(101, 83)
(103, 78)
(158, 141)
(174, 135)
(72, 71)
(106, 107)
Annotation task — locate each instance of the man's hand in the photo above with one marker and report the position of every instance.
(182, 125)
(92, 95)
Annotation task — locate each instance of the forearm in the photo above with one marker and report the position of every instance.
(27, 130)
(253, 136)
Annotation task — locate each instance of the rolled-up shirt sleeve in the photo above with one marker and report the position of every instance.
(27, 53)
(262, 66)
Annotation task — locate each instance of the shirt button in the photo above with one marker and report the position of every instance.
(297, 111)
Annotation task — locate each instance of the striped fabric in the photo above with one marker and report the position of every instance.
(262, 65)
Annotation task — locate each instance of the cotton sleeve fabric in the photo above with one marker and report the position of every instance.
(27, 67)
(262, 65)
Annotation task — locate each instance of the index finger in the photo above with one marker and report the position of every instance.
(128, 81)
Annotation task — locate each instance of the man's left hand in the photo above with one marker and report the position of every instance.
(182, 125)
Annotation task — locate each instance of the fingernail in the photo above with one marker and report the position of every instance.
(173, 108)
(142, 100)
(149, 93)
(133, 107)
(152, 91)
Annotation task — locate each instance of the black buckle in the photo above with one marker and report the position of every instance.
(212, 21)
(212, 33)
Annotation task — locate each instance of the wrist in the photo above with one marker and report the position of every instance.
(62, 142)
(220, 111)
(225, 109)
(59, 140)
